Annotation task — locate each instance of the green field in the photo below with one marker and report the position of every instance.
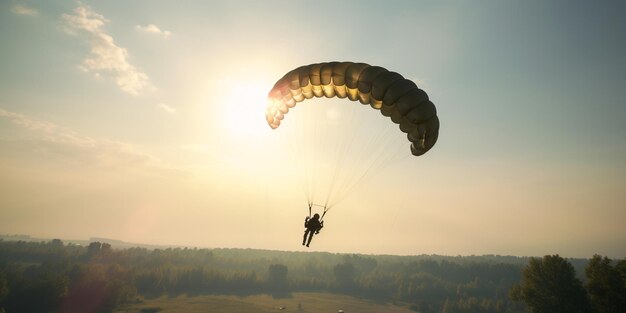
(297, 302)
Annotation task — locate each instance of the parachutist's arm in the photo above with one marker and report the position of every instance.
(320, 228)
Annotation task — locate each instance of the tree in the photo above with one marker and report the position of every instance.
(277, 278)
(620, 267)
(94, 248)
(605, 286)
(549, 285)
(344, 274)
(4, 288)
(56, 243)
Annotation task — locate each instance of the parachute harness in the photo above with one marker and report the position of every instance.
(326, 209)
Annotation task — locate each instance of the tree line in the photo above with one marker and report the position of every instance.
(97, 278)
(550, 285)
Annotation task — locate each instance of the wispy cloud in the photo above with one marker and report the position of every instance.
(24, 10)
(166, 108)
(153, 29)
(104, 153)
(106, 57)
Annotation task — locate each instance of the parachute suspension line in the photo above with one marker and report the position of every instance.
(357, 121)
(326, 209)
(341, 153)
(307, 153)
(313, 138)
(347, 146)
(403, 206)
(395, 154)
(348, 161)
(356, 162)
(305, 179)
(306, 129)
(345, 168)
(301, 127)
(317, 141)
(381, 162)
(296, 157)
(313, 157)
(324, 214)
(381, 150)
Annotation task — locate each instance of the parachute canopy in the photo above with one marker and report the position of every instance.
(392, 94)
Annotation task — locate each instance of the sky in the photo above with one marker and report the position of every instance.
(143, 121)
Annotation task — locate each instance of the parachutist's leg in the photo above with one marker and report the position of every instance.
(310, 238)
(306, 232)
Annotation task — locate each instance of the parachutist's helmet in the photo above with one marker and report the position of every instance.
(316, 216)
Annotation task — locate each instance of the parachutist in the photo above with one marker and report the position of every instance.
(312, 225)
(389, 92)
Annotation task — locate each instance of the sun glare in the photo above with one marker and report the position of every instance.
(243, 105)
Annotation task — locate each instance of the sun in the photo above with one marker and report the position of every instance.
(243, 107)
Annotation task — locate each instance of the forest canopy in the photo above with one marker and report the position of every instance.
(69, 277)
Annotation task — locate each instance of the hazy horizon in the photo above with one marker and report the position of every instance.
(143, 122)
(121, 244)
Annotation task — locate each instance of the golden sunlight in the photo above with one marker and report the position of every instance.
(243, 105)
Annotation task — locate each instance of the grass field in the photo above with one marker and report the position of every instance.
(297, 302)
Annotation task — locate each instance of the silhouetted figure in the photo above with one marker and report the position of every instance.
(313, 225)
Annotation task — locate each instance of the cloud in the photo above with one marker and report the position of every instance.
(24, 10)
(54, 140)
(153, 29)
(166, 108)
(106, 58)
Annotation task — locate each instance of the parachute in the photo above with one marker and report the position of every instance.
(387, 91)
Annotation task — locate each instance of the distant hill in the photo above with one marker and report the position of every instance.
(115, 243)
